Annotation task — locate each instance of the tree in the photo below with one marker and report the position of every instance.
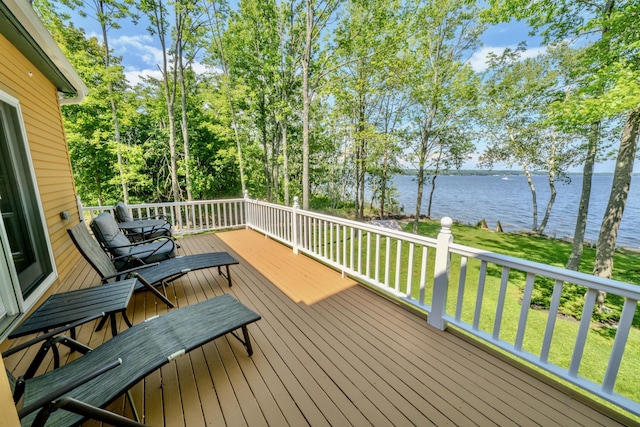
(107, 13)
(87, 126)
(609, 88)
(516, 114)
(216, 16)
(370, 33)
(252, 51)
(317, 15)
(443, 87)
(188, 35)
(158, 15)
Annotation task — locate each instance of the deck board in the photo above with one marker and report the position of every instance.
(327, 352)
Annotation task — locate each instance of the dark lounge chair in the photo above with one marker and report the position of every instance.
(77, 391)
(149, 276)
(153, 226)
(124, 252)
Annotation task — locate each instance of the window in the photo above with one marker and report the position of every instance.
(23, 236)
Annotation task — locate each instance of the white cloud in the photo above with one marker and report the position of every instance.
(478, 60)
(138, 49)
(135, 76)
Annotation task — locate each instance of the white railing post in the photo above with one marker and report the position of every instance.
(294, 225)
(246, 210)
(80, 209)
(441, 275)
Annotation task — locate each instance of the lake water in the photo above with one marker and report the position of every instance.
(469, 199)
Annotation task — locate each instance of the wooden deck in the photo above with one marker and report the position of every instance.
(326, 352)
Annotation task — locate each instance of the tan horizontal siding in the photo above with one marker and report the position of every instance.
(45, 135)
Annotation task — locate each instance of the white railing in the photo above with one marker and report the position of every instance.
(448, 281)
(185, 217)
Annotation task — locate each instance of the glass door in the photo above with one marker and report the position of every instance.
(20, 215)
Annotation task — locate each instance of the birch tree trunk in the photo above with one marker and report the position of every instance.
(585, 196)
(306, 102)
(534, 197)
(617, 200)
(552, 184)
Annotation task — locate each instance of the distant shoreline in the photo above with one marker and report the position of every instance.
(481, 172)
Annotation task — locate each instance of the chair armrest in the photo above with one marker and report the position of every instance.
(50, 397)
(138, 243)
(159, 216)
(50, 334)
(140, 256)
(153, 239)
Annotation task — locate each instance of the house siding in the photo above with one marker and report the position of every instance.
(47, 144)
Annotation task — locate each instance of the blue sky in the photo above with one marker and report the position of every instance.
(141, 55)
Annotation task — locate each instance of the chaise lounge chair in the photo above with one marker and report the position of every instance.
(152, 226)
(124, 252)
(151, 275)
(69, 395)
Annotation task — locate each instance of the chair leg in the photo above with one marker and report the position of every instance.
(114, 326)
(101, 324)
(133, 406)
(156, 292)
(227, 276)
(126, 319)
(247, 340)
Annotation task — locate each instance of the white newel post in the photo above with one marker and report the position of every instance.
(294, 225)
(80, 209)
(441, 275)
(247, 207)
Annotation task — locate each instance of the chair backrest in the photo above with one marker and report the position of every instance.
(121, 212)
(106, 231)
(91, 250)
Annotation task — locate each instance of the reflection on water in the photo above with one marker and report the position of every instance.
(469, 199)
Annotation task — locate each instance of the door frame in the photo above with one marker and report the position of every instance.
(10, 290)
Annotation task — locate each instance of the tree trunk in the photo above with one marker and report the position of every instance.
(534, 199)
(605, 249)
(585, 196)
(420, 178)
(170, 93)
(114, 109)
(265, 146)
(361, 154)
(173, 153)
(552, 199)
(552, 184)
(383, 184)
(306, 103)
(433, 182)
(185, 126)
(285, 162)
(422, 161)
